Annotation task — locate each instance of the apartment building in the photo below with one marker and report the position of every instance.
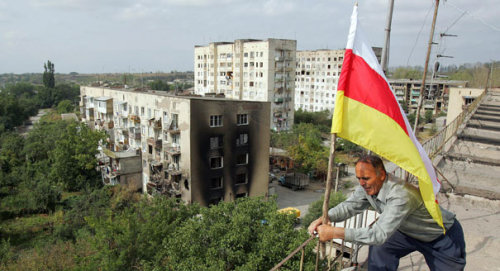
(251, 70)
(436, 93)
(316, 77)
(198, 149)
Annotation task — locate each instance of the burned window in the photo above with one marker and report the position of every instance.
(216, 142)
(242, 159)
(242, 140)
(216, 182)
(216, 162)
(241, 178)
(216, 121)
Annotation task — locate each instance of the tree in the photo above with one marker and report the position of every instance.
(159, 85)
(308, 152)
(65, 106)
(315, 209)
(322, 119)
(163, 234)
(428, 116)
(48, 75)
(73, 157)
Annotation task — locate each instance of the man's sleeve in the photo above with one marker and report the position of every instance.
(353, 205)
(395, 211)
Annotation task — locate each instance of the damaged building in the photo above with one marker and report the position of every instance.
(198, 149)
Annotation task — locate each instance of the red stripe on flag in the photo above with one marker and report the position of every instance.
(361, 83)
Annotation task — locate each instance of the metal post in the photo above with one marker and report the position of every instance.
(385, 50)
(422, 88)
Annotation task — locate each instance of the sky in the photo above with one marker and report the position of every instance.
(120, 36)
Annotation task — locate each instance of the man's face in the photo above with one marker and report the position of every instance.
(368, 178)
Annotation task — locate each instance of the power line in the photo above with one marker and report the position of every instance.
(418, 35)
(475, 17)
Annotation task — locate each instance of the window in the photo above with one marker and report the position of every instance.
(242, 119)
(216, 121)
(241, 178)
(216, 162)
(216, 142)
(242, 140)
(215, 183)
(142, 110)
(242, 159)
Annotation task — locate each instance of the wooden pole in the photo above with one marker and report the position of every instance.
(328, 188)
(422, 88)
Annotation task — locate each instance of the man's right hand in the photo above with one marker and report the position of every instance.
(315, 224)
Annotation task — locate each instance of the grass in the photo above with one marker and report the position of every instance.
(30, 230)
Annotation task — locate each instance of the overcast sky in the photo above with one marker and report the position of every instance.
(89, 36)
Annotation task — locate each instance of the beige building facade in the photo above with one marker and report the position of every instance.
(198, 149)
(460, 97)
(251, 70)
(316, 79)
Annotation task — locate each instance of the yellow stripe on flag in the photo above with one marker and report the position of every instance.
(373, 130)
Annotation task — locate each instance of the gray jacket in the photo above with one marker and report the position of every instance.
(400, 207)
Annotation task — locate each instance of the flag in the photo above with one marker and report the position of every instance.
(367, 113)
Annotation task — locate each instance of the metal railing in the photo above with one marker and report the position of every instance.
(435, 144)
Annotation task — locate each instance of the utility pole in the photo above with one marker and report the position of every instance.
(422, 88)
(385, 50)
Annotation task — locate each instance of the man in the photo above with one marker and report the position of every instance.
(404, 224)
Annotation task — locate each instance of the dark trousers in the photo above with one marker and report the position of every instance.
(447, 252)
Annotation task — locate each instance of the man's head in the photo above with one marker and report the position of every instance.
(371, 173)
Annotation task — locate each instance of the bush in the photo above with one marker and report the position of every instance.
(316, 208)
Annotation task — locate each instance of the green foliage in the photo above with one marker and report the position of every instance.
(73, 158)
(65, 106)
(411, 118)
(316, 208)
(48, 75)
(407, 73)
(159, 85)
(347, 146)
(428, 116)
(322, 119)
(5, 252)
(307, 149)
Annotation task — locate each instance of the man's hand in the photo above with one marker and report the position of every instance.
(312, 227)
(327, 233)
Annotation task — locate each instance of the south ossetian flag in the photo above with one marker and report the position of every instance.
(368, 114)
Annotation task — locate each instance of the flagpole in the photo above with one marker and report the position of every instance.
(422, 87)
(328, 187)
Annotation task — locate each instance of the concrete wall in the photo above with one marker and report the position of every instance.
(257, 148)
(456, 101)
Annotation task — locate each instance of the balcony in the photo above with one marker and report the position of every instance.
(157, 124)
(135, 118)
(156, 143)
(172, 148)
(110, 124)
(173, 169)
(135, 133)
(278, 100)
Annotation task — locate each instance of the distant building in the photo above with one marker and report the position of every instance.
(316, 78)
(198, 149)
(459, 98)
(407, 93)
(252, 70)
